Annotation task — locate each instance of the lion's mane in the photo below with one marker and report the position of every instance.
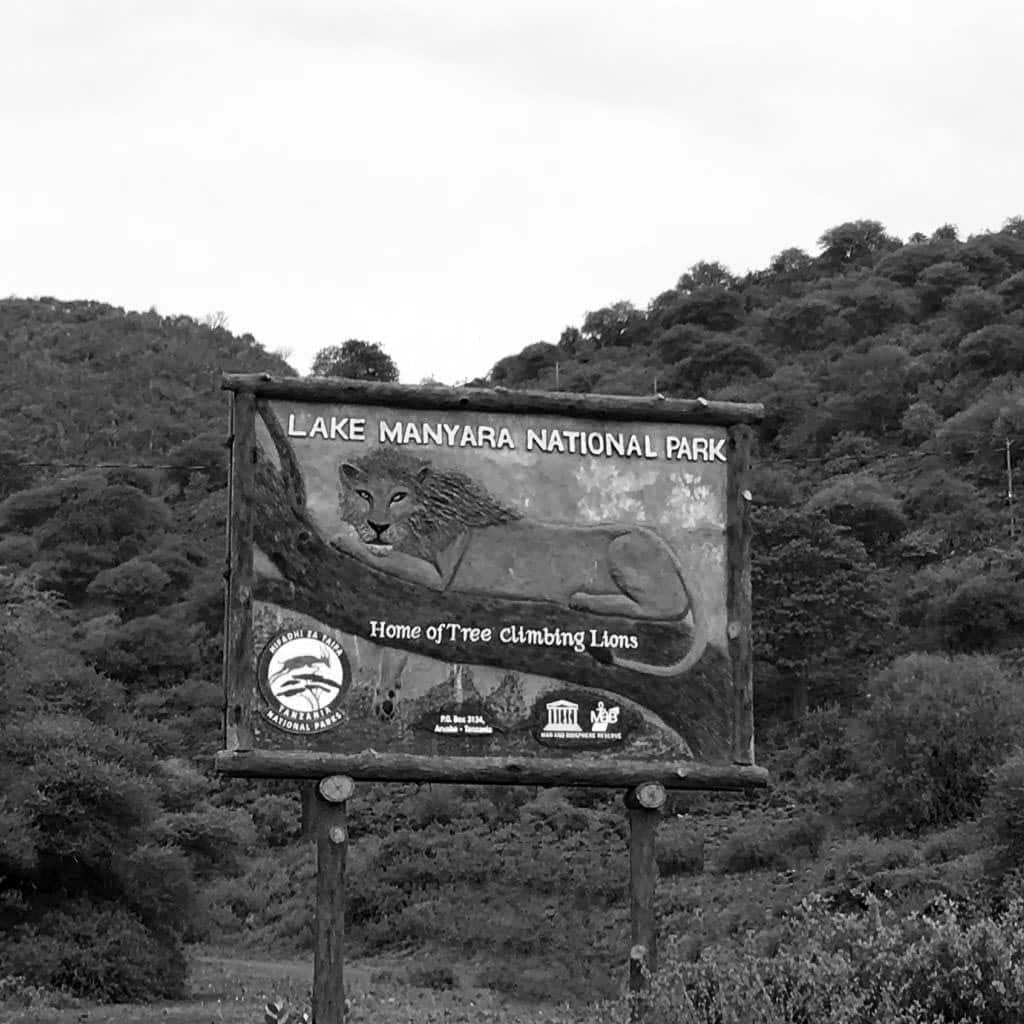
(447, 502)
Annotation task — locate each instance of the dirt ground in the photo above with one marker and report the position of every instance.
(224, 990)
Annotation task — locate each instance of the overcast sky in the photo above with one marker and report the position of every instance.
(456, 179)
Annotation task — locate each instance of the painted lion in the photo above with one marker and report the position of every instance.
(479, 545)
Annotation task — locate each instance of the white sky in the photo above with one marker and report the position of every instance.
(456, 179)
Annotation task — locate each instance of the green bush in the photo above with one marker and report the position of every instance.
(99, 952)
(762, 843)
(982, 613)
(1003, 814)
(679, 853)
(431, 804)
(831, 968)
(278, 819)
(435, 976)
(213, 838)
(924, 746)
(135, 587)
(816, 746)
(18, 549)
(952, 843)
(865, 856)
(16, 993)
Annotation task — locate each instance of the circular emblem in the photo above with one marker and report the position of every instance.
(303, 675)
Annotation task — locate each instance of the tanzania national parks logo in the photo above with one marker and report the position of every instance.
(303, 675)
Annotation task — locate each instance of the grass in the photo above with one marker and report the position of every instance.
(231, 991)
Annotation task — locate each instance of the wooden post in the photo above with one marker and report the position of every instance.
(310, 801)
(645, 803)
(738, 597)
(238, 653)
(331, 850)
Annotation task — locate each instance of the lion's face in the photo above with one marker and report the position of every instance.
(379, 504)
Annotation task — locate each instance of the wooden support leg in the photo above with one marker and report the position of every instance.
(308, 796)
(645, 803)
(331, 850)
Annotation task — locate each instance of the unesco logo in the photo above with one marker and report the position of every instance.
(303, 675)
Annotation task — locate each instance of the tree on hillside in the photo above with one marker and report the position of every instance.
(809, 322)
(976, 436)
(95, 902)
(358, 360)
(718, 360)
(864, 505)
(973, 307)
(938, 282)
(621, 323)
(704, 274)
(515, 371)
(571, 341)
(790, 261)
(855, 241)
(715, 308)
(817, 599)
(872, 389)
(15, 473)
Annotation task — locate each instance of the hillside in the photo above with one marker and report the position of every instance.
(888, 615)
(891, 376)
(88, 382)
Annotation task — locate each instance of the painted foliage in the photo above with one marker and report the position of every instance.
(488, 584)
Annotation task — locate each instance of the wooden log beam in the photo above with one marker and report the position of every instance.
(372, 766)
(696, 411)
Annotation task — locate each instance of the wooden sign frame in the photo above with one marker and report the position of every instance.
(250, 398)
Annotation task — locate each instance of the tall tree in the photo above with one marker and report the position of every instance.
(705, 274)
(817, 598)
(360, 360)
(853, 241)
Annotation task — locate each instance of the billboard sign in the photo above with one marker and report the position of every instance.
(464, 585)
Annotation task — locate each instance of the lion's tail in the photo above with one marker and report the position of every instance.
(700, 633)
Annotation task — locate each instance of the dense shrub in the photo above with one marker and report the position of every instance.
(982, 613)
(99, 951)
(864, 505)
(17, 549)
(924, 746)
(679, 852)
(811, 322)
(1004, 813)
(816, 746)
(69, 570)
(938, 282)
(277, 818)
(973, 308)
(834, 968)
(134, 587)
(760, 844)
(998, 348)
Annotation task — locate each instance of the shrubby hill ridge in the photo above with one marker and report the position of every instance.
(888, 602)
(893, 379)
(88, 382)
